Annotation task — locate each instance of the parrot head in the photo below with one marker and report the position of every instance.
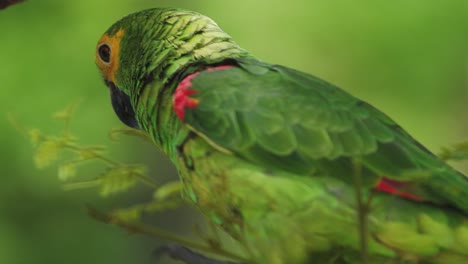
(148, 48)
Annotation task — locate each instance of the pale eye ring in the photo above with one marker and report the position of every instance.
(104, 52)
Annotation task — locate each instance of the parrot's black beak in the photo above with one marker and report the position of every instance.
(122, 106)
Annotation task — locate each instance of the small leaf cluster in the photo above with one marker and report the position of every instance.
(69, 155)
(456, 152)
(49, 150)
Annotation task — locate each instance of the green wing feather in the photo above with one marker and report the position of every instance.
(284, 119)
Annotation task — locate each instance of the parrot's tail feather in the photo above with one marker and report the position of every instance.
(396, 188)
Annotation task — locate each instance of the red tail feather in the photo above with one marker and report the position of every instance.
(396, 188)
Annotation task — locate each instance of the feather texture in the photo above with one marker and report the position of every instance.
(270, 154)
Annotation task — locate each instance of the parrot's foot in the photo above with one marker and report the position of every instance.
(187, 256)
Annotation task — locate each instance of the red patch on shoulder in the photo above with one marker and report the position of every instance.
(182, 99)
(396, 188)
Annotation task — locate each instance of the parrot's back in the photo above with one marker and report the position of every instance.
(281, 147)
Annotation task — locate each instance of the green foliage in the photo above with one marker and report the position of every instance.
(456, 152)
(405, 57)
(119, 178)
(116, 178)
(69, 154)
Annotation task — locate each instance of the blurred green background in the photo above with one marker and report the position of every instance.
(408, 58)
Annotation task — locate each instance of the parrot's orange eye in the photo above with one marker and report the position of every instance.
(104, 53)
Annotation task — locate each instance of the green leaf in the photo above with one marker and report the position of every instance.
(47, 153)
(168, 190)
(91, 152)
(67, 171)
(113, 135)
(66, 113)
(131, 214)
(457, 152)
(36, 136)
(120, 179)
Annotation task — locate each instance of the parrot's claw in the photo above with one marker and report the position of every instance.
(187, 256)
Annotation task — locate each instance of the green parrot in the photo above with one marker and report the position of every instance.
(291, 166)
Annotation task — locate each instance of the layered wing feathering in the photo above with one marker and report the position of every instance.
(285, 119)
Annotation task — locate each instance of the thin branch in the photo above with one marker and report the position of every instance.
(149, 230)
(188, 256)
(362, 210)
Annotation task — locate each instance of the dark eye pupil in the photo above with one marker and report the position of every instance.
(104, 53)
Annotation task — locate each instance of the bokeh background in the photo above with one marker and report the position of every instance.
(408, 58)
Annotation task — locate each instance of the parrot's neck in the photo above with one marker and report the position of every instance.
(157, 117)
(201, 43)
(154, 106)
